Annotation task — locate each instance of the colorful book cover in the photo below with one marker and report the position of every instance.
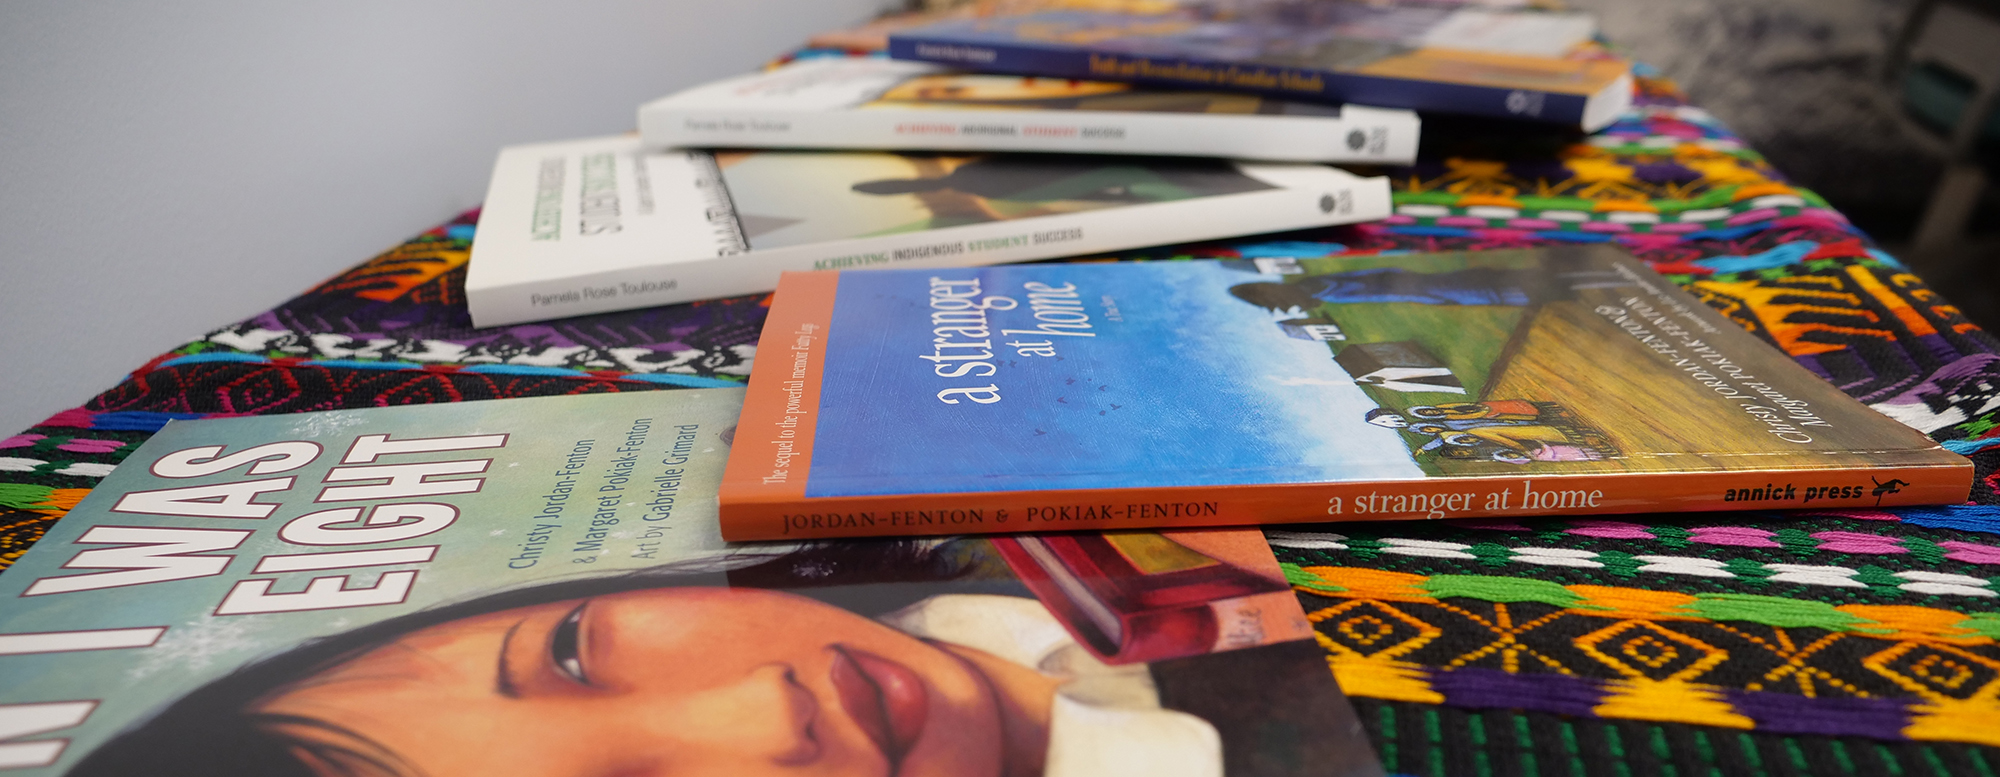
(1564, 380)
(538, 587)
(604, 224)
(874, 103)
(1480, 61)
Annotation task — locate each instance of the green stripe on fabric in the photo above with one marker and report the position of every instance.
(1434, 740)
(1840, 755)
(1501, 589)
(1387, 720)
(1798, 755)
(1777, 611)
(1575, 750)
(24, 496)
(1482, 761)
(1705, 750)
(1889, 760)
(1298, 576)
(1931, 757)
(1985, 624)
(1616, 744)
(1664, 753)
(1978, 759)
(1924, 549)
(1525, 738)
(1751, 755)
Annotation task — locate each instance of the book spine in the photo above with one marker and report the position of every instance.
(1199, 506)
(1342, 200)
(1286, 82)
(1379, 138)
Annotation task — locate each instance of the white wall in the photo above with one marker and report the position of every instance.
(167, 168)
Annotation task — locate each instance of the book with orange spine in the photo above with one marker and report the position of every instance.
(1564, 380)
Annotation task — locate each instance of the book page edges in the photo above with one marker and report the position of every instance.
(1608, 104)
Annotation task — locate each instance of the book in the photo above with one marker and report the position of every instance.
(1141, 596)
(1508, 63)
(602, 224)
(384, 590)
(872, 103)
(1566, 380)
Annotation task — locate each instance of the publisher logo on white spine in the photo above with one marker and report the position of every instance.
(1525, 103)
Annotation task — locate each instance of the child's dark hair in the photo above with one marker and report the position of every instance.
(214, 730)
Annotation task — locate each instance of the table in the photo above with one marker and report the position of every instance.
(1848, 642)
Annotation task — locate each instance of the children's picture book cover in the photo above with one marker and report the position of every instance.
(538, 587)
(602, 224)
(875, 103)
(1563, 380)
(1436, 57)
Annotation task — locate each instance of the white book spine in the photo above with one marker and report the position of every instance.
(839, 104)
(1359, 135)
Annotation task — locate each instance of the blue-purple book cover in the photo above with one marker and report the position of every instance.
(1331, 51)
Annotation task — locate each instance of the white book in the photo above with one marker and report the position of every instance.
(602, 224)
(869, 103)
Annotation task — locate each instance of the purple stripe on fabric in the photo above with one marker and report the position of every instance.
(1679, 226)
(1859, 542)
(1740, 536)
(1400, 219)
(1748, 216)
(1971, 552)
(1605, 226)
(1812, 362)
(1779, 713)
(1812, 220)
(1461, 221)
(1784, 713)
(1533, 224)
(1561, 694)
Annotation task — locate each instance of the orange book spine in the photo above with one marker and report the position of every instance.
(772, 449)
(780, 517)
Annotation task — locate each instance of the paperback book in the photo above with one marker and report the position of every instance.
(1429, 57)
(873, 103)
(538, 586)
(603, 224)
(1566, 380)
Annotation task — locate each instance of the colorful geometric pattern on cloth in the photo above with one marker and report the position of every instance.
(406, 309)
(1726, 660)
(1858, 642)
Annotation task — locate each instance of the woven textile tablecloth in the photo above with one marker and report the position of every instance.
(1850, 642)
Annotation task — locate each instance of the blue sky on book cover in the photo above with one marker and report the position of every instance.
(1177, 383)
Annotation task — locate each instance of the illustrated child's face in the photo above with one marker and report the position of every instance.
(680, 681)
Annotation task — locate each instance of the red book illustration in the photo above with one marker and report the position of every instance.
(1146, 596)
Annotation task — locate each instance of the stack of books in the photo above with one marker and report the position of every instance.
(965, 518)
